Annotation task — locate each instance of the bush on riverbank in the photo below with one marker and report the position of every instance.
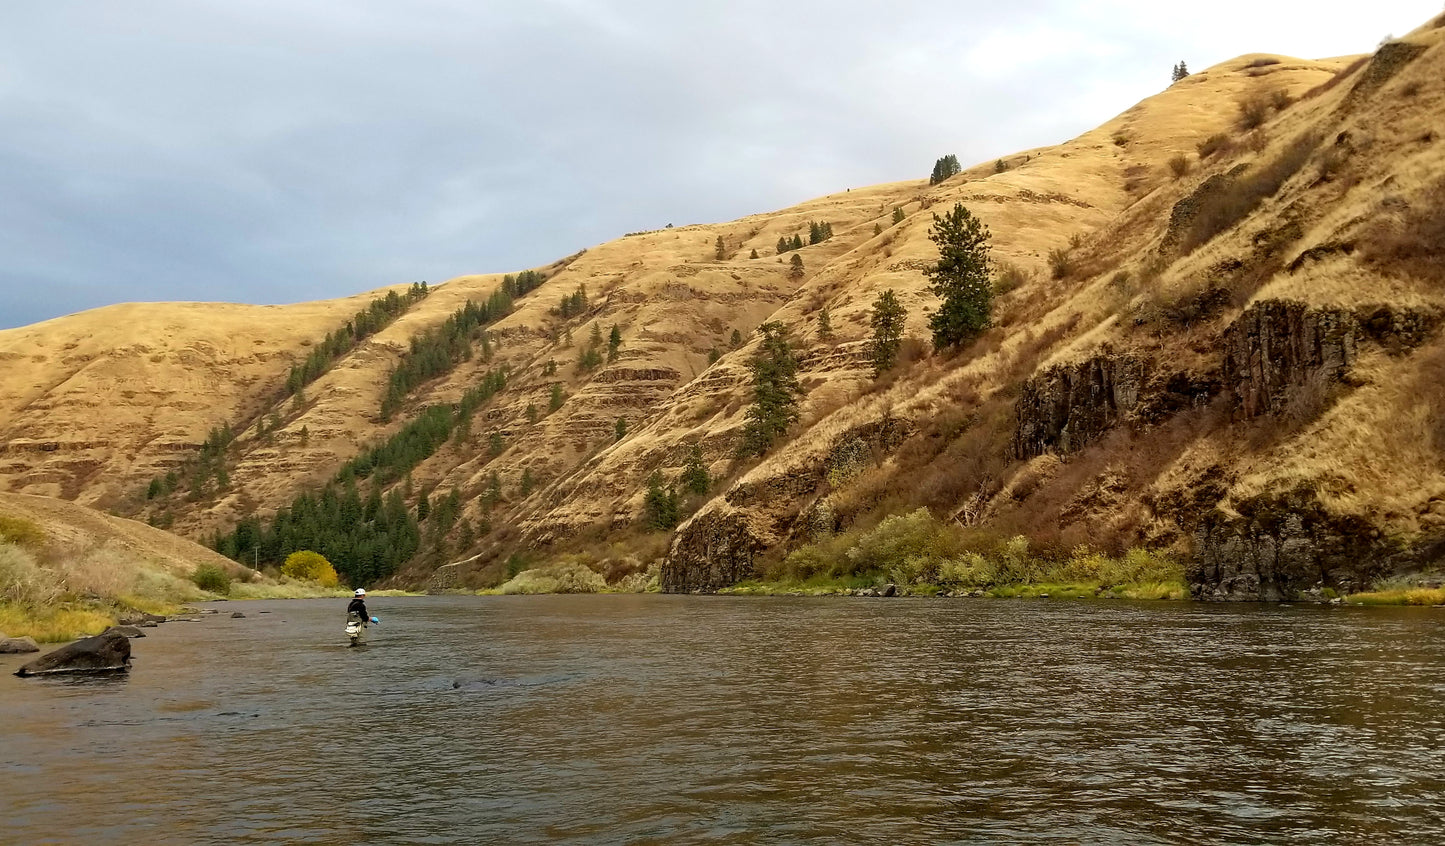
(918, 552)
(562, 577)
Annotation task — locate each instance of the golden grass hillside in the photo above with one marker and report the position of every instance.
(1141, 250)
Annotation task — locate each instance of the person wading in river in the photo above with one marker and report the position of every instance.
(358, 607)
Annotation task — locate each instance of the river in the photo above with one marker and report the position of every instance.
(663, 719)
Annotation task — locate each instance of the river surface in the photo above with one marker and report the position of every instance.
(659, 719)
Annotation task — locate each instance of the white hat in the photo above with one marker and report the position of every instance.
(361, 591)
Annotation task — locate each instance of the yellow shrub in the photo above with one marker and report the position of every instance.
(21, 532)
(310, 566)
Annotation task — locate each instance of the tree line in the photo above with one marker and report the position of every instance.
(439, 350)
(379, 314)
(367, 540)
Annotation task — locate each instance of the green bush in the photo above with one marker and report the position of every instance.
(209, 577)
(21, 532)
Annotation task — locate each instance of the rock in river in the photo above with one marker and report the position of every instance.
(128, 631)
(100, 654)
(16, 645)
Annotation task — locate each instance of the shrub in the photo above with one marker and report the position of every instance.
(562, 577)
(1179, 165)
(1008, 277)
(1280, 100)
(209, 577)
(1061, 263)
(1252, 112)
(22, 581)
(1217, 143)
(21, 532)
(1225, 208)
(310, 566)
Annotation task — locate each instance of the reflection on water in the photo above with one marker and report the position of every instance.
(654, 719)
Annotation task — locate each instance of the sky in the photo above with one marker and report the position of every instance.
(276, 151)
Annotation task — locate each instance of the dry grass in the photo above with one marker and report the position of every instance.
(1223, 209)
(1407, 596)
(53, 625)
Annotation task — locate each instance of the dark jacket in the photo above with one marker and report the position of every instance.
(358, 607)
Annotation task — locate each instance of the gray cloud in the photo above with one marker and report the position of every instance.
(276, 150)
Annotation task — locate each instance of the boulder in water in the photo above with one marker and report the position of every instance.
(104, 653)
(17, 645)
(141, 618)
(128, 631)
(238, 616)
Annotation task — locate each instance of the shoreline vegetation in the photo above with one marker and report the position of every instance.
(54, 591)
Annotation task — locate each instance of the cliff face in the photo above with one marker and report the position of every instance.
(1209, 337)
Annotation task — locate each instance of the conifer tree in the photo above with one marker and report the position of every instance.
(555, 401)
(720, 249)
(795, 271)
(898, 214)
(784, 244)
(695, 478)
(527, 482)
(797, 242)
(736, 340)
(944, 168)
(775, 390)
(1180, 71)
(877, 229)
(614, 343)
(619, 431)
(887, 320)
(825, 325)
(660, 505)
(531, 412)
(753, 254)
(961, 278)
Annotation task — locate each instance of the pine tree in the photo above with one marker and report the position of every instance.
(944, 168)
(466, 537)
(877, 229)
(961, 278)
(423, 508)
(695, 478)
(736, 340)
(614, 343)
(555, 402)
(531, 413)
(797, 242)
(783, 244)
(527, 482)
(775, 391)
(720, 249)
(495, 444)
(619, 430)
(660, 505)
(898, 215)
(795, 271)
(753, 254)
(887, 320)
(825, 325)
(1180, 71)
(594, 340)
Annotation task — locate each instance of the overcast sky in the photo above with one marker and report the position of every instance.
(272, 151)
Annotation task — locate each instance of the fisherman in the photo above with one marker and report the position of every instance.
(358, 607)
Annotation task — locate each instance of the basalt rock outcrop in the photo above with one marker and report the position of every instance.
(104, 653)
(1278, 344)
(1070, 405)
(1278, 546)
(710, 552)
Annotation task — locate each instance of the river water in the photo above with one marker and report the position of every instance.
(658, 719)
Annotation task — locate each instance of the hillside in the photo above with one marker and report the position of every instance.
(1216, 334)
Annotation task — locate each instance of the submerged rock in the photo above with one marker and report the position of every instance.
(103, 653)
(17, 645)
(237, 615)
(127, 631)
